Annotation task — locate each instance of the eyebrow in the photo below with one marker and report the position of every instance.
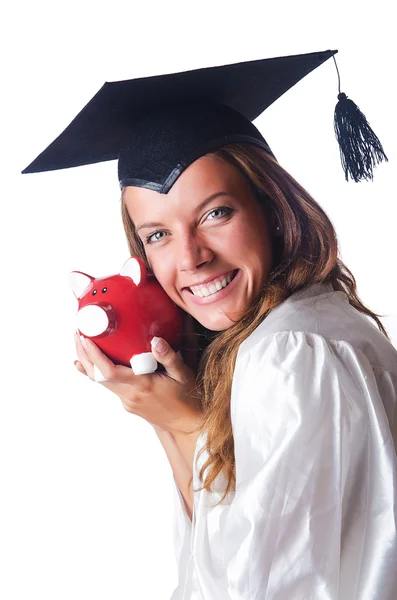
(150, 224)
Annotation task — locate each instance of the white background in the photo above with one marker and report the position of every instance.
(86, 497)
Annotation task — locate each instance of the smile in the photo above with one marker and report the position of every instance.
(212, 287)
(214, 291)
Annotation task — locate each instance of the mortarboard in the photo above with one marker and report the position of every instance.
(156, 126)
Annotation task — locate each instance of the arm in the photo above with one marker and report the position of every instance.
(180, 449)
(314, 475)
(179, 446)
(179, 466)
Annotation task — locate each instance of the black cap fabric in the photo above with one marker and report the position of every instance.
(169, 140)
(157, 126)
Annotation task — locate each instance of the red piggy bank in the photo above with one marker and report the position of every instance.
(122, 313)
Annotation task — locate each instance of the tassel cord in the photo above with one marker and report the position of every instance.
(360, 148)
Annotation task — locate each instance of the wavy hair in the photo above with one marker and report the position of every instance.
(305, 253)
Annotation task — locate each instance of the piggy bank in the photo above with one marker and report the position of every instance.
(122, 313)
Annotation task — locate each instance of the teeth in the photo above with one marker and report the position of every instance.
(212, 288)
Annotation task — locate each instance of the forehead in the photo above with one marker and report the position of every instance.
(204, 177)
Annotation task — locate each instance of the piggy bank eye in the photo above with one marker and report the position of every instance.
(94, 292)
(105, 289)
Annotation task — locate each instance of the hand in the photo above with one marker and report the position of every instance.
(167, 400)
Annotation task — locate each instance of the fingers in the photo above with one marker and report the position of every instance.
(88, 367)
(98, 377)
(80, 367)
(98, 366)
(173, 363)
(116, 378)
(82, 356)
(103, 367)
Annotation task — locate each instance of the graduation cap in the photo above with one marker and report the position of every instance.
(156, 126)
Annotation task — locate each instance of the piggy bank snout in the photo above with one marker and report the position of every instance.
(93, 320)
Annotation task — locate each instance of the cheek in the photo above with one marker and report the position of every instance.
(249, 237)
(164, 275)
(256, 245)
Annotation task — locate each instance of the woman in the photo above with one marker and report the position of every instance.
(287, 430)
(313, 388)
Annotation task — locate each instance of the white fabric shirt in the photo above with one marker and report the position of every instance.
(314, 417)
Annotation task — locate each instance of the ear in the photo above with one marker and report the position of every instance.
(135, 269)
(78, 281)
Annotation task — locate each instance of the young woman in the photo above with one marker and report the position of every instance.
(296, 390)
(282, 439)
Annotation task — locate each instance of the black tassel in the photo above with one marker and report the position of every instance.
(360, 149)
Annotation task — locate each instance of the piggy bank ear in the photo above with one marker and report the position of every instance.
(78, 282)
(135, 269)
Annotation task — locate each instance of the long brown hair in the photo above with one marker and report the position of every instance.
(305, 253)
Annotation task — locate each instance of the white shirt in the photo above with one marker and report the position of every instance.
(314, 417)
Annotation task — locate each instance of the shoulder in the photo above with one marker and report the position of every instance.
(309, 316)
(289, 374)
(305, 371)
(306, 365)
(303, 352)
(291, 350)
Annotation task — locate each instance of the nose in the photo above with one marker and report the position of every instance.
(93, 320)
(192, 252)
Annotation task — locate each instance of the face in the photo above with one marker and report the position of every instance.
(207, 240)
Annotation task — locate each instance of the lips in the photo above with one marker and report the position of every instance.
(208, 282)
(216, 296)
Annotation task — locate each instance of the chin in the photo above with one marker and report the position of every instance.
(215, 322)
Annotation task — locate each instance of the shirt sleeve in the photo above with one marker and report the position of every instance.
(314, 511)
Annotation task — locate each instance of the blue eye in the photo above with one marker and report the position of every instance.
(148, 238)
(225, 210)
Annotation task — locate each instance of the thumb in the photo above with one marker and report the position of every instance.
(171, 360)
